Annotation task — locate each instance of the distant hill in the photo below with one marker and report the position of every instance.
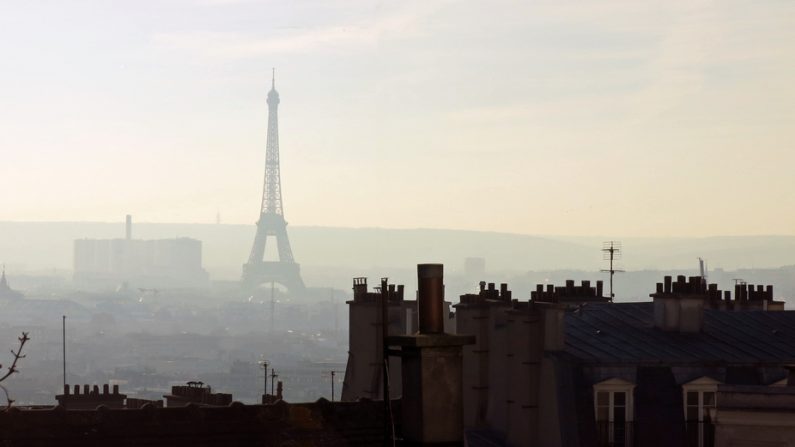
(43, 246)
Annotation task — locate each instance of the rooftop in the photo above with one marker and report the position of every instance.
(624, 333)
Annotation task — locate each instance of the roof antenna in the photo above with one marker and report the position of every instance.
(612, 252)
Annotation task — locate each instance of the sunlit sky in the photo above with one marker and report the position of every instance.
(625, 118)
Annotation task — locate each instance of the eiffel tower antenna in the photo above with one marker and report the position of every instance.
(271, 221)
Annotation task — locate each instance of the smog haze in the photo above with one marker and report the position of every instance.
(609, 118)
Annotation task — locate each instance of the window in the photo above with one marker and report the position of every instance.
(699, 397)
(614, 412)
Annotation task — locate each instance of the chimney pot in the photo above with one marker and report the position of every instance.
(430, 279)
(115, 389)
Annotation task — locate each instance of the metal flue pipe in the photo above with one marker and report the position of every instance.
(430, 299)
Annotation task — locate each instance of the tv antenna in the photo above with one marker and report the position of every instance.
(273, 380)
(611, 251)
(264, 364)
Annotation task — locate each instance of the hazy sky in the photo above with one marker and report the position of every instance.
(599, 117)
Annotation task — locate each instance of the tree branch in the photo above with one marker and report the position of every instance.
(13, 368)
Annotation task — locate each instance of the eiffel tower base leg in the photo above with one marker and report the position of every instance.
(288, 274)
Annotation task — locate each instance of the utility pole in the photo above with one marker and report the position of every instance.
(273, 306)
(336, 314)
(264, 364)
(64, 350)
(333, 374)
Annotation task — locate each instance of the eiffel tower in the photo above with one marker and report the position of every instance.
(271, 222)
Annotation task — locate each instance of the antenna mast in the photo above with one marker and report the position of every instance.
(611, 251)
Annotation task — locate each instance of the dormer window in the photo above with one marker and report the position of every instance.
(613, 407)
(699, 397)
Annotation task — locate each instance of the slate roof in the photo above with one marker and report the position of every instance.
(624, 333)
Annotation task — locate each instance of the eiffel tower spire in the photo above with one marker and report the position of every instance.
(271, 221)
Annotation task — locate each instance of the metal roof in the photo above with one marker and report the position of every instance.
(624, 333)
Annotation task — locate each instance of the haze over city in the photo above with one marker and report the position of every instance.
(610, 118)
(511, 223)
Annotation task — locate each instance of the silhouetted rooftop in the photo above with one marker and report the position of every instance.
(624, 333)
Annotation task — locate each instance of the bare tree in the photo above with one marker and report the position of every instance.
(13, 368)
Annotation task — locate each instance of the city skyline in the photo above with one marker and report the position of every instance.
(605, 118)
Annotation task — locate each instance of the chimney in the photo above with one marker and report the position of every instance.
(553, 325)
(432, 368)
(430, 302)
(679, 306)
(128, 227)
(359, 289)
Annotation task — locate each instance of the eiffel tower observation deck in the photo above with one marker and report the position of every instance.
(285, 271)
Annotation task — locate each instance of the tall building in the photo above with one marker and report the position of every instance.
(143, 263)
(285, 270)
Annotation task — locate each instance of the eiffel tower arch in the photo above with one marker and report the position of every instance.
(271, 221)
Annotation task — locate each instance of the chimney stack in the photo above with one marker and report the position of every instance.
(679, 306)
(128, 227)
(430, 302)
(432, 368)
